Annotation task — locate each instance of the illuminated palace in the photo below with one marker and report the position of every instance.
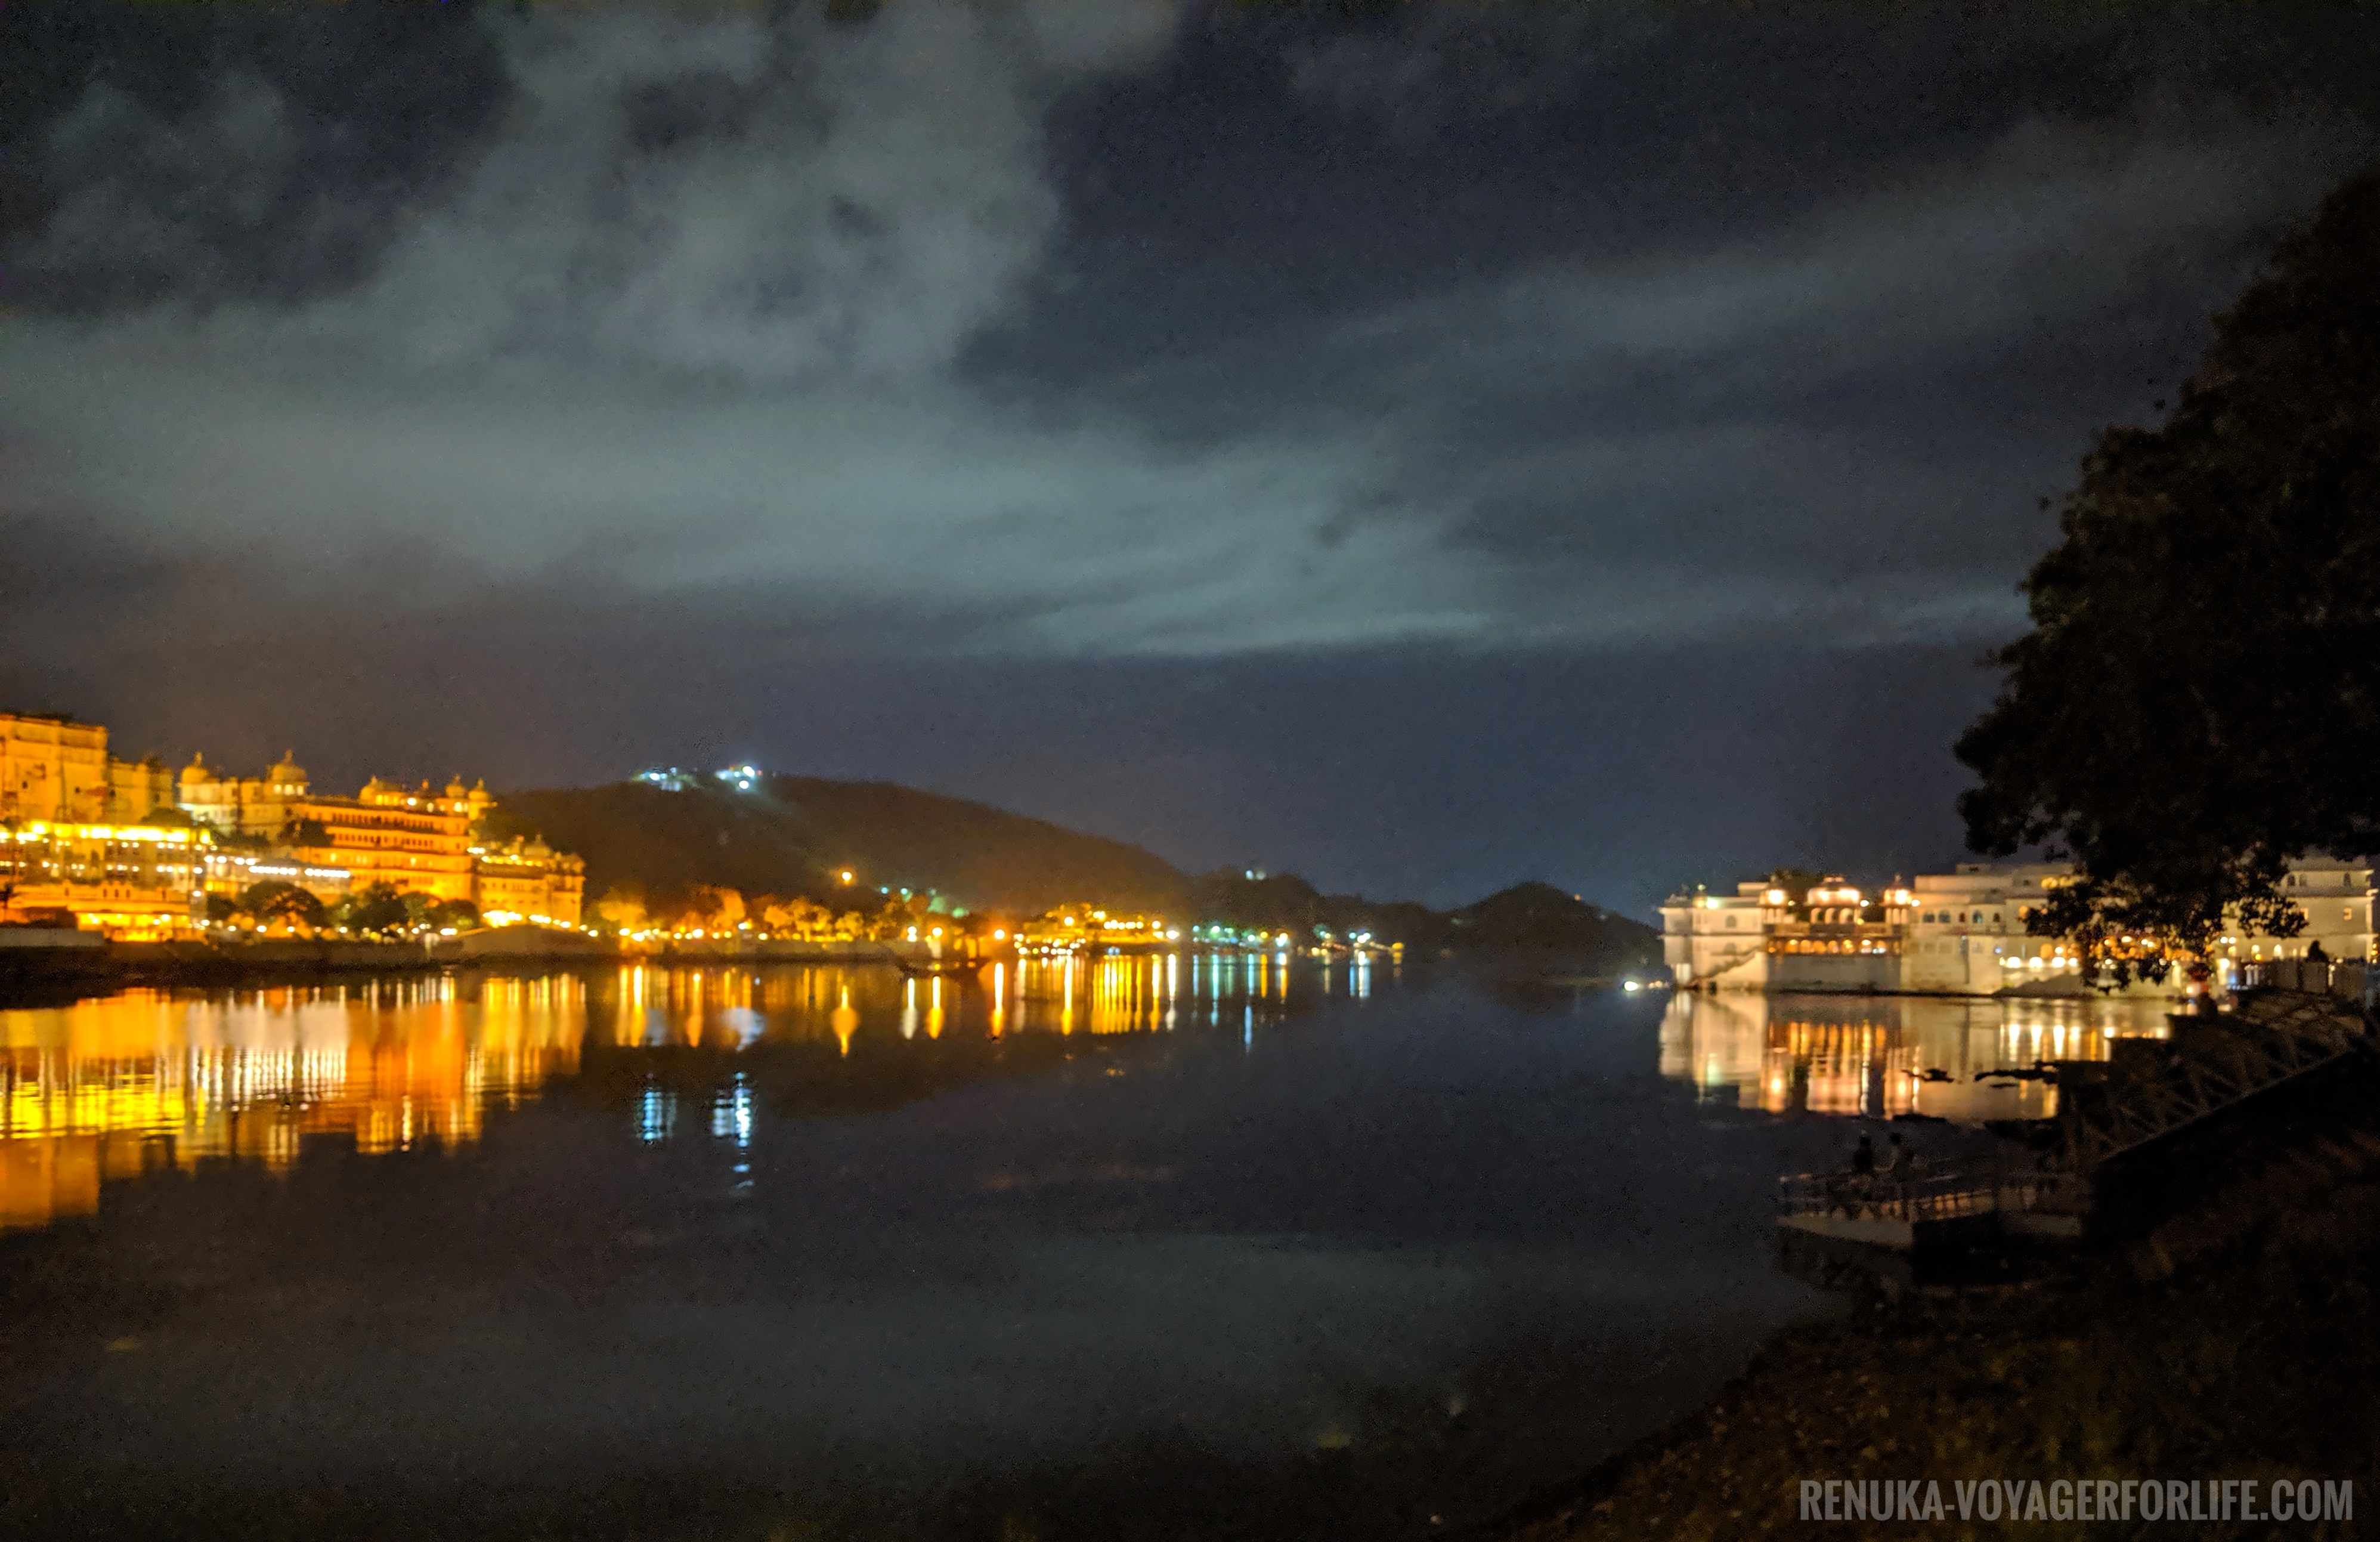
(72, 840)
(414, 839)
(58, 771)
(1961, 932)
(126, 848)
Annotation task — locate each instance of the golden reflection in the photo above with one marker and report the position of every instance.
(846, 1020)
(151, 1081)
(1879, 1057)
(144, 1080)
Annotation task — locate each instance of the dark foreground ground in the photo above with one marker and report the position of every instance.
(2260, 1363)
(2232, 1337)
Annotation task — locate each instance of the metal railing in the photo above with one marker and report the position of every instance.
(2347, 979)
(1874, 1196)
(1945, 1196)
(2150, 1088)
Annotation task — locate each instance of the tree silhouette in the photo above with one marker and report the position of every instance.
(2199, 700)
(275, 900)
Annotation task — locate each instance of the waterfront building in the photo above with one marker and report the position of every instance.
(56, 769)
(136, 883)
(232, 872)
(1705, 935)
(1961, 933)
(1072, 928)
(127, 848)
(414, 839)
(526, 880)
(1830, 936)
(1967, 935)
(2337, 899)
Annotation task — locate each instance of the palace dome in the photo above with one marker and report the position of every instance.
(196, 774)
(286, 772)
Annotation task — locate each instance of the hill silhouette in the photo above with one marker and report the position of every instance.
(1534, 917)
(1528, 918)
(796, 834)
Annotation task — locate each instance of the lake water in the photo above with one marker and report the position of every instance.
(1149, 1247)
(1890, 1057)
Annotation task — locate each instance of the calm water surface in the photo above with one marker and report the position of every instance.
(1171, 1246)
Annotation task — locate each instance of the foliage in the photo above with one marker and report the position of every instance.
(376, 910)
(460, 915)
(794, 916)
(711, 909)
(275, 900)
(623, 908)
(2199, 700)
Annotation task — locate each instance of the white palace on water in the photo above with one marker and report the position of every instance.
(1961, 932)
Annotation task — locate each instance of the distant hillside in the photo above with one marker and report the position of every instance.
(793, 835)
(1526, 918)
(1541, 918)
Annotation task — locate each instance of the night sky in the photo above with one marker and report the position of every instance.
(1423, 448)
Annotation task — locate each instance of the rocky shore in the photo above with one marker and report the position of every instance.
(2219, 1325)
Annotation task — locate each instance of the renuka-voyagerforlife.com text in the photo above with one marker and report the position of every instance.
(2077, 1500)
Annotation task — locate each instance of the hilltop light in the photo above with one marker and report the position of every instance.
(847, 875)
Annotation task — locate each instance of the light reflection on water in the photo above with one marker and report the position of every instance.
(150, 1081)
(1878, 1057)
(873, 1233)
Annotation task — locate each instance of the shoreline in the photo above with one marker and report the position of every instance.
(48, 973)
(2012, 993)
(43, 975)
(2217, 1324)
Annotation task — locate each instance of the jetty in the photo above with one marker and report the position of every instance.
(2164, 1129)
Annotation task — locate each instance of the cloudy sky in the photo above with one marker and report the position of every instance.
(1421, 447)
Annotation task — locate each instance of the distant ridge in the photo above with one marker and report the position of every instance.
(794, 834)
(797, 835)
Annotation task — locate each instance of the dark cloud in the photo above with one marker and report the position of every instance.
(1444, 443)
(211, 153)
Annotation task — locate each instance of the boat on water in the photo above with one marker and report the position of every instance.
(935, 961)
